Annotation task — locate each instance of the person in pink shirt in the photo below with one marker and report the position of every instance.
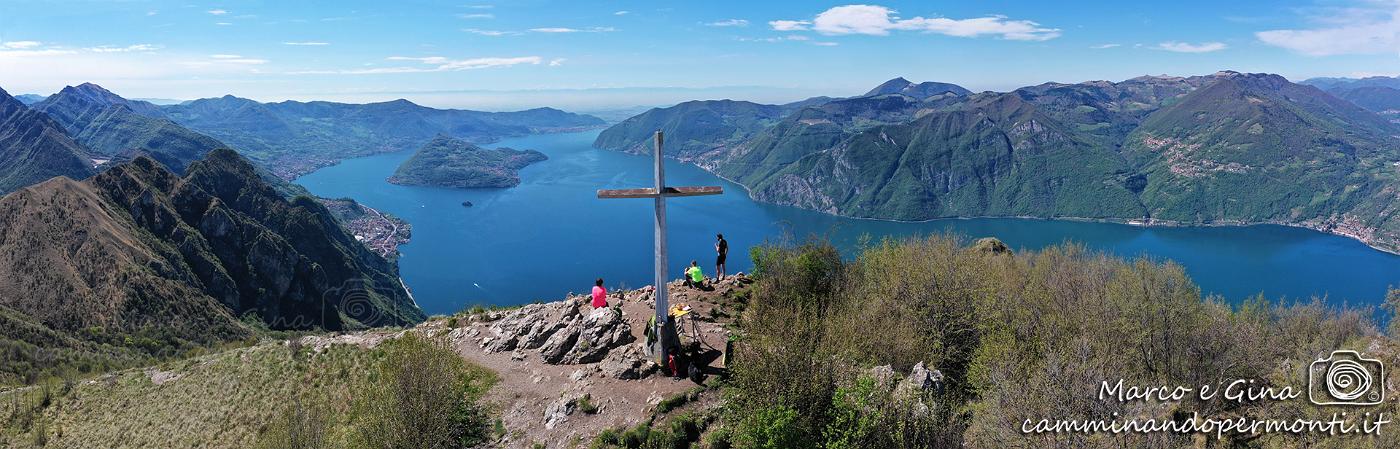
(600, 294)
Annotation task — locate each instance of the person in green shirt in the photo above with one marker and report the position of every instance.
(693, 276)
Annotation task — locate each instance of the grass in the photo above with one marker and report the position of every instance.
(586, 405)
(222, 400)
(241, 390)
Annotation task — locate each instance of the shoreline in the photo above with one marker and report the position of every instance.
(1136, 222)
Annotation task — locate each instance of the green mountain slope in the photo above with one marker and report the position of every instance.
(997, 156)
(138, 259)
(1256, 148)
(34, 148)
(1220, 148)
(449, 162)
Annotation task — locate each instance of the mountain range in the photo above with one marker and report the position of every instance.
(450, 162)
(1226, 148)
(114, 128)
(1380, 94)
(127, 237)
(297, 137)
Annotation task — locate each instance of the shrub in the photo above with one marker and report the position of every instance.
(425, 396)
(1029, 334)
(773, 428)
(300, 426)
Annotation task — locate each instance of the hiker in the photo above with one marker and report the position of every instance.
(721, 251)
(693, 276)
(600, 294)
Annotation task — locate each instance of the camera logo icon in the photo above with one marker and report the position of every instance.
(1346, 378)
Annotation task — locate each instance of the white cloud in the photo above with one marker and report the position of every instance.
(481, 6)
(307, 43)
(129, 48)
(425, 60)
(855, 19)
(789, 25)
(573, 30)
(789, 37)
(622, 13)
(477, 16)
(493, 33)
(225, 59)
(20, 45)
(556, 62)
(222, 24)
(436, 63)
(482, 63)
(826, 44)
(1369, 30)
(878, 20)
(1183, 47)
(1104, 46)
(152, 12)
(217, 12)
(35, 52)
(729, 23)
(36, 49)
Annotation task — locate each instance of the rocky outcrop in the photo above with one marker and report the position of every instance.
(588, 340)
(627, 363)
(990, 245)
(920, 380)
(560, 333)
(529, 327)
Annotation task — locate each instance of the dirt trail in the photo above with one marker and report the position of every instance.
(537, 401)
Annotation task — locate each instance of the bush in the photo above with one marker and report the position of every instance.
(299, 427)
(1015, 336)
(424, 396)
(773, 428)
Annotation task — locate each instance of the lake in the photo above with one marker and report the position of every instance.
(551, 235)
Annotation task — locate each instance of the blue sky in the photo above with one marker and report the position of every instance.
(585, 55)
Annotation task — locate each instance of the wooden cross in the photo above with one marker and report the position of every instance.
(659, 194)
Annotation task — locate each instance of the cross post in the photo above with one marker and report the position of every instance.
(659, 193)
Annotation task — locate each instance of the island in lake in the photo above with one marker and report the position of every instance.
(451, 162)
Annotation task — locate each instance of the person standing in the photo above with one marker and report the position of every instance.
(600, 294)
(722, 252)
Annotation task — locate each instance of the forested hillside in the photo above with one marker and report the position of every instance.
(1227, 148)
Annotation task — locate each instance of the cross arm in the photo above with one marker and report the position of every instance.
(667, 192)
